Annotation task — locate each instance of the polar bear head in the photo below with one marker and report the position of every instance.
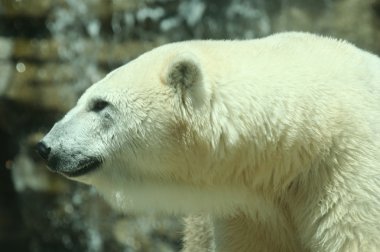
(146, 122)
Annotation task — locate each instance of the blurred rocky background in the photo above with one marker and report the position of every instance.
(52, 50)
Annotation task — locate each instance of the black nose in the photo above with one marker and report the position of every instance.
(43, 150)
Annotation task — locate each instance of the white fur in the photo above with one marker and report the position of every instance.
(277, 138)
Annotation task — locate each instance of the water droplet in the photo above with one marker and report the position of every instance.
(20, 67)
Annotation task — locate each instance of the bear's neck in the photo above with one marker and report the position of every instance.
(271, 145)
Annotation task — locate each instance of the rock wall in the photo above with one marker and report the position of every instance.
(52, 50)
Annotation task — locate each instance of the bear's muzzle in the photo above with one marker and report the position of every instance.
(70, 165)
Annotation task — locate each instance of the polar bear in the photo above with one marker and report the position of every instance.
(272, 144)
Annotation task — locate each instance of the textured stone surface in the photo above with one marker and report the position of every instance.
(6, 48)
(352, 20)
(48, 49)
(5, 76)
(41, 7)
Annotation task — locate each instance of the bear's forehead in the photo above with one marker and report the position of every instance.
(137, 76)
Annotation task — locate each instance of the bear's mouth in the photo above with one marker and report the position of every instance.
(83, 168)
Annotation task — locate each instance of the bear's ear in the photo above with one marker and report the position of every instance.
(184, 72)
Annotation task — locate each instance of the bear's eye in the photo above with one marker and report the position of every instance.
(99, 105)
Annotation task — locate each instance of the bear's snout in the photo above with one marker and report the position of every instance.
(43, 150)
(53, 160)
(69, 163)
